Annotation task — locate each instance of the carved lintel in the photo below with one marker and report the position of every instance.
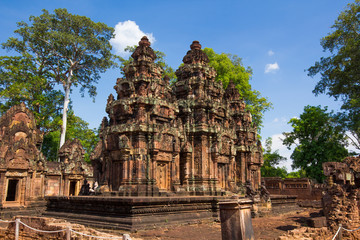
(16, 174)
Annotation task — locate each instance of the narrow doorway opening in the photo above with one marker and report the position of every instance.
(12, 190)
(72, 189)
(222, 175)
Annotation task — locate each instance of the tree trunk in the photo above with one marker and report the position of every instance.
(64, 118)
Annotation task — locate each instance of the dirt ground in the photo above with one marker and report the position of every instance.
(266, 228)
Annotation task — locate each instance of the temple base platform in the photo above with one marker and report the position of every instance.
(10, 210)
(133, 213)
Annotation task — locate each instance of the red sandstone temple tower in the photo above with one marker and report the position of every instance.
(141, 140)
(26, 177)
(208, 154)
(248, 148)
(194, 138)
(21, 163)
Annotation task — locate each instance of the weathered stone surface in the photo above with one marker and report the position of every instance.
(303, 188)
(305, 233)
(133, 213)
(68, 175)
(235, 217)
(25, 175)
(71, 151)
(22, 165)
(340, 200)
(317, 222)
(50, 224)
(192, 138)
(281, 204)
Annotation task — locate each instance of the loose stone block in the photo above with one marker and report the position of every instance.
(235, 217)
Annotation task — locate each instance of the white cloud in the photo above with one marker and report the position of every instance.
(271, 67)
(277, 142)
(270, 53)
(279, 120)
(128, 33)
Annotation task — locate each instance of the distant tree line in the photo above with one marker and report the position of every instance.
(320, 136)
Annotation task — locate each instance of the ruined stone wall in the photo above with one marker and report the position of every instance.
(303, 188)
(341, 196)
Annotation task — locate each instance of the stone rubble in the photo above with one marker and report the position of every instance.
(50, 224)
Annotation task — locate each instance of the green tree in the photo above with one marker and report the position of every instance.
(298, 174)
(229, 67)
(77, 128)
(20, 81)
(317, 139)
(72, 50)
(340, 71)
(271, 159)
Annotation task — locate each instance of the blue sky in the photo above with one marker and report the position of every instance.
(278, 39)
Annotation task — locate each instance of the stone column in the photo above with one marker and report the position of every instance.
(2, 188)
(204, 157)
(210, 162)
(235, 217)
(243, 167)
(259, 177)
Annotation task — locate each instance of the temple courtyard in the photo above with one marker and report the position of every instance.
(267, 227)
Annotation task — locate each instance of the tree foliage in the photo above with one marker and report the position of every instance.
(340, 71)
(65, 49)
(317, 139)
(230, 67)
(20, 81)
(271, 159)
(77, 128)
(298, 174)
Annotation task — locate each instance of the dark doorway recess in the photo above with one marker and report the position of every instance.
(72, 188)
(12, 190)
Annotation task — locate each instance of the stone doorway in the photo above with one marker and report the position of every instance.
(254, 179)
(182, 167)
(72, 188)
(162, 175)
(12, 190)
(222, 175)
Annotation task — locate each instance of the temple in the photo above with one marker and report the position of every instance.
(191, 137)
(21, 162)
(26, 177)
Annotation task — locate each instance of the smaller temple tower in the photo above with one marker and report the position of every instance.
(22, 165)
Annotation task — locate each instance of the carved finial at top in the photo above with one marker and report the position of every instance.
(144, 42)
(195, 45)
(195, 55)
(144, 52)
